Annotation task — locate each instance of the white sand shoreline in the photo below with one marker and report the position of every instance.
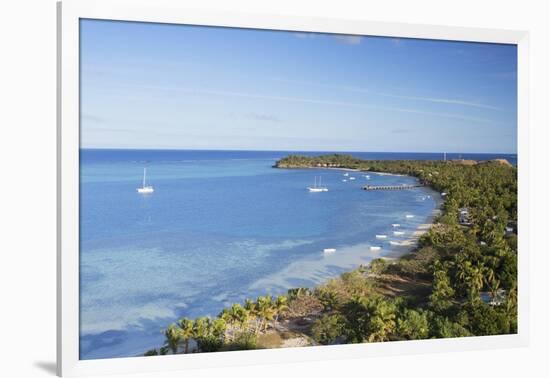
(351, 170)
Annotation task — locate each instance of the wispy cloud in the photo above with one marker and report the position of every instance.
(443, 100)
(315, 102)
(334, 103)
(440, 100)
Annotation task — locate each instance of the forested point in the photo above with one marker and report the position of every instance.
(461, 279)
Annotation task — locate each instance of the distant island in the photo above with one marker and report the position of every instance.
(460, 280)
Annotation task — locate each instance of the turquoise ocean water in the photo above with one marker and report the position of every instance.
(220, 227)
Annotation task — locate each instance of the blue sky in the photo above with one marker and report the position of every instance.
(189, 87)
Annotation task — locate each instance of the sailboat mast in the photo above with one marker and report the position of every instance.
(144, 173)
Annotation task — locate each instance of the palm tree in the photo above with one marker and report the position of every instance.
(489, 274)
(218, 327)
(201, 328)
(252, 312)
(173, 337)
(235, 316)
(475, 282)
(266, 309)
(382, 320)
(462, 268)
(186, 331)
(281, 305)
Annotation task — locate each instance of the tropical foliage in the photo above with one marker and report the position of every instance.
(462, 277)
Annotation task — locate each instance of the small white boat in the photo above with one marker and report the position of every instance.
(352, 178)
(145, 189)
(329, 250)
(381, 236)
(375, 248)
(398, 233)
(367, 177)
(395, 225)
(317, 188)
(344, 180)
(395, 243)
(409, 216)
(346, 174)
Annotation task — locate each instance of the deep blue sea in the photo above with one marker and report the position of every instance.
(220, 227)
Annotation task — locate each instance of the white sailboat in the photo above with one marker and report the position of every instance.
(145, 189)
(315, 188)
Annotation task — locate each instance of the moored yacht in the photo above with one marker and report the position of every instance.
(317, 188)
(145, 189)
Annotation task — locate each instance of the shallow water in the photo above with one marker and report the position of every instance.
(220, 227)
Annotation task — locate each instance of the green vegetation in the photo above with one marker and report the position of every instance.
(434, 292)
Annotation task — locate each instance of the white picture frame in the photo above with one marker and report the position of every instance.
(171, 11)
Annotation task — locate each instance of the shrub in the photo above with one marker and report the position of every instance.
(328, 328)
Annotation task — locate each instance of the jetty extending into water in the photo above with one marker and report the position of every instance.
(391, 187)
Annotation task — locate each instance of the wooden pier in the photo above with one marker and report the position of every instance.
(391, 187)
